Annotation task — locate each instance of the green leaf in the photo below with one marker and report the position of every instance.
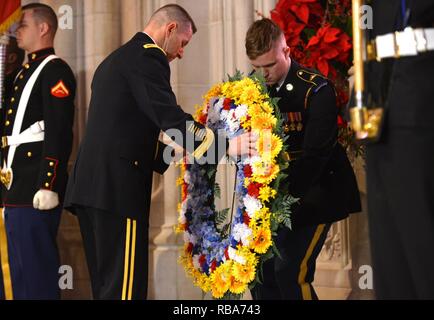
(217, 191)
(221, 216)
(236, 77)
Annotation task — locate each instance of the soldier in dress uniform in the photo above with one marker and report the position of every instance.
(36, 131)
(110, 186)
(400, 170)
(320, 174)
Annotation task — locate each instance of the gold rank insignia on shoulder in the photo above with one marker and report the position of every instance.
(154, 46)
(309, 76)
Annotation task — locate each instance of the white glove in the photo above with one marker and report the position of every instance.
(45, 200)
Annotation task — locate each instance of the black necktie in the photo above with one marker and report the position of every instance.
(272, 90)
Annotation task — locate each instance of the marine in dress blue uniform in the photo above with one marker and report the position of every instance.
(39, 168)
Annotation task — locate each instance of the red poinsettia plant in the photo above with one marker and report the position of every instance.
(319, 35)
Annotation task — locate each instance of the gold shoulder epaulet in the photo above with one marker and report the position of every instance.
(154, 46)
(316, 80)
(310, 77)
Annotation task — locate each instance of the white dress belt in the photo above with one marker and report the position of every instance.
(35, 133)
(409, 42)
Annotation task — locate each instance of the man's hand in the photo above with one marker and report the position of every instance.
(45, 200)
(244, 144)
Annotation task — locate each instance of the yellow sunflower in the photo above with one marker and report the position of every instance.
(269, 144)
(203, 282)
(220, 281)
(244, 273)
(264, 172)
(266, 193)
(215, 91)
(261, 240)
(237, 287)
(263, 121)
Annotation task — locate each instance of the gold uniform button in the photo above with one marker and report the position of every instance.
(27, 66)
(16, 88)
(21, 77)
(47, 185)
(13, 100)
(49, 174)
(10, 111)
(29, 154)
(51, 164)
(33, 56)
(7, 123)
(136, 163)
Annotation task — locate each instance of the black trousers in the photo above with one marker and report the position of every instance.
(117, 254)
(401, 213)
(291, 276)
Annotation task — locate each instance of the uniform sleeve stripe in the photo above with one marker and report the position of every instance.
(205, 145)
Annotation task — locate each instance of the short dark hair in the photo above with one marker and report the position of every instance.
(43, 13)
(177, 13)
(261, 37)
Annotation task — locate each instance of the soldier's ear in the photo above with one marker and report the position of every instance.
(44, 29)
(171, 27)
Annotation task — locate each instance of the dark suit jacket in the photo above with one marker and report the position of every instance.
(132, 100)
(320, 173)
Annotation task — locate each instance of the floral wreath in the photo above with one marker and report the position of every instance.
(225, 258)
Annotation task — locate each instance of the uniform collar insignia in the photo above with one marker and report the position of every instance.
(37, 55)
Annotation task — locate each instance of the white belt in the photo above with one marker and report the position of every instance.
(35, 133)
(409, 42)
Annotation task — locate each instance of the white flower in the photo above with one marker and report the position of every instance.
(233, 256)
(214, 112)
(190, 238)
(252, 205)
(219, 104)
(224, 115)
(184, 207)
(251, 160)
(242, 233)
(233, 125)
(196, 263)
(241, 111)
(187, 177)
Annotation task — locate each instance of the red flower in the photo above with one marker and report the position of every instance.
(253, 189)
(246, 218)
(190, 248)
(227, 253)
(302, 9)
(341, 122)
(202, 260)
(248, 171)
(213, 265)
(328, 44)
(227, 104)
